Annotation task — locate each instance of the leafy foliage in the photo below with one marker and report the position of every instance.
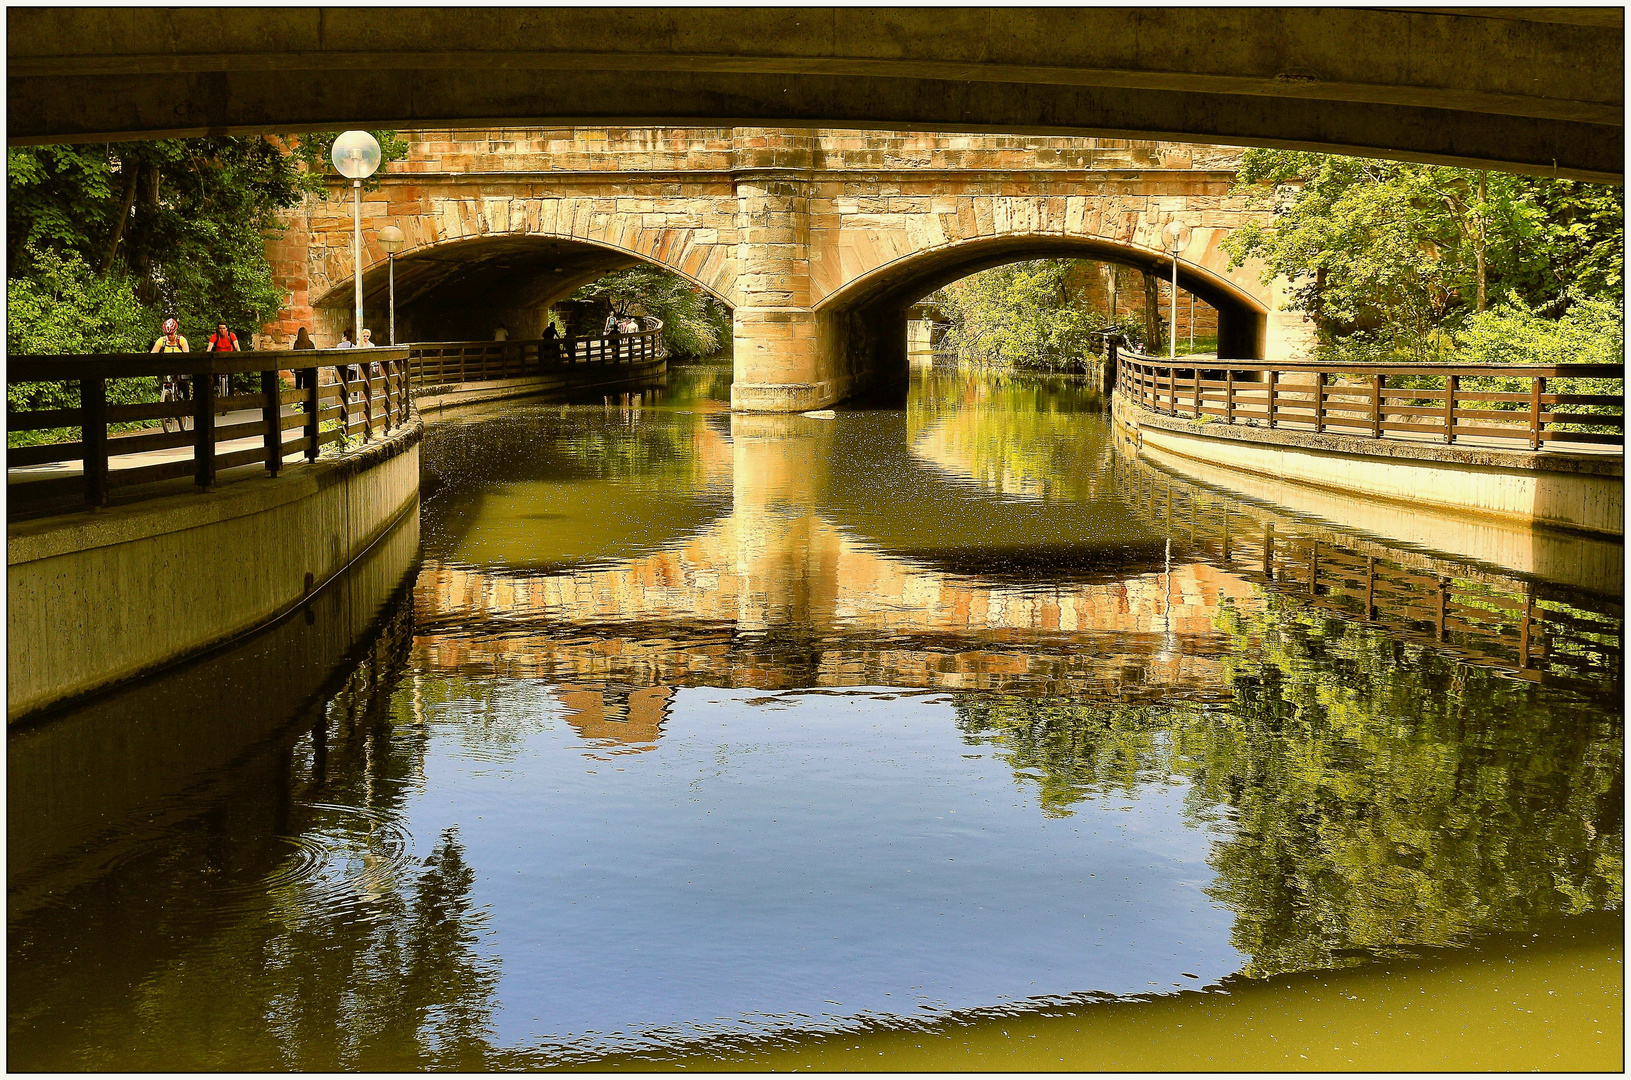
(63, 307)
(1024, 315)
(1591, 332)
(694, 323)
(184, 221)
(1391, 259)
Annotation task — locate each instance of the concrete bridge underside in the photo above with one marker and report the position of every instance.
(819, 241)
(1533, 89)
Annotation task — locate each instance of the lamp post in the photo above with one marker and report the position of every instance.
(356, 156)
(1177, 235)
(391, 239)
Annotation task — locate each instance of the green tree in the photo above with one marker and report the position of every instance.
(65, 307)
(694, 323)
(1391, 258)
(184, 220)
(1026, 315)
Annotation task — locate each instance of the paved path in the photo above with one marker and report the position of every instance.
(118, 461)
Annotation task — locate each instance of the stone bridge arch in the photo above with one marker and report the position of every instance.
(813, 238)
(838, 288)
(533, 250)
(866, 315)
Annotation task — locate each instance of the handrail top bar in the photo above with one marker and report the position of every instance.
(490, 344)
(1578, 371)
(136, 365)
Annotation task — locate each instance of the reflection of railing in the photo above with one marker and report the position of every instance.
(1539, 633)
(1358, 399)
(368, 393)
(449, 362)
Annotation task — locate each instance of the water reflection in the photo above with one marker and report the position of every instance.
(700, 730)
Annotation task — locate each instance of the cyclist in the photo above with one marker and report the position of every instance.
(172, 387)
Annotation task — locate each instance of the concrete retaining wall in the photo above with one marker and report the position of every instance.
(106, 771)
(96, 599)
(1579, 492)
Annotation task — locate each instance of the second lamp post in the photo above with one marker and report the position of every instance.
(391, 239)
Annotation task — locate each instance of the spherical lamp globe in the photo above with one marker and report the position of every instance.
(355, 155)
(391, 239)
(1176, 235)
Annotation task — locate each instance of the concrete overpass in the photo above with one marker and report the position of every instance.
(819, 240)
(1533, 89)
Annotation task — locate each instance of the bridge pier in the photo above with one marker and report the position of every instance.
(773, 329)
(789, 357)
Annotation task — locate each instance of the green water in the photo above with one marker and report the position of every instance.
(938, 734)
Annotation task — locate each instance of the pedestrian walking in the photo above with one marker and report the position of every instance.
(302, 340)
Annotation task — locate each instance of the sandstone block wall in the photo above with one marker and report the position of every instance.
(803, 232)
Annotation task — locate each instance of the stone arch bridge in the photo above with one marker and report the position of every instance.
(819, 241)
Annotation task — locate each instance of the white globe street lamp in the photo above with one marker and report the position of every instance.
(356, 155)
(391, 239)
(1177, 235)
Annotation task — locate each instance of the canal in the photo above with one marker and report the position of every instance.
(934, 733)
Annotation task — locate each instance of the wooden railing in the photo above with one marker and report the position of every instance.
(342, 394)
(445, 363)
(1443, 401)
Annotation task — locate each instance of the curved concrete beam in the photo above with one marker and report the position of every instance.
(1534, 90)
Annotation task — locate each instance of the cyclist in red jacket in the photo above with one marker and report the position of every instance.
(223, 340)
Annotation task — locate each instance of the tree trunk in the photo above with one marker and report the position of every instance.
(148, 195)
(1482, 246)
(1152, 313)
(129, 169)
